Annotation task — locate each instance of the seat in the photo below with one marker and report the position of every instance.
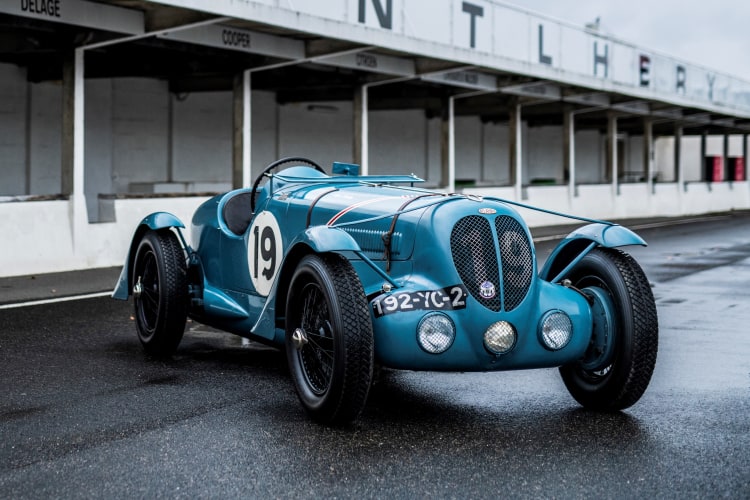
(237, 213)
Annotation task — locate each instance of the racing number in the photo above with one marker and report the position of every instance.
(265, 247)
(264, 252)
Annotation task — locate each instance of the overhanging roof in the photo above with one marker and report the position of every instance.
(325, 50)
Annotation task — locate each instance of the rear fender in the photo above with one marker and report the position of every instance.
(577, 244)
(154, 221)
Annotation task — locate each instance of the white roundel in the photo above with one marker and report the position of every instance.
(264, 252)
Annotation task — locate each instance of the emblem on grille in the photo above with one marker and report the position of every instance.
(487, 211)
(487, 290)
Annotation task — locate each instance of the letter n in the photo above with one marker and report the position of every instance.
(385, 15)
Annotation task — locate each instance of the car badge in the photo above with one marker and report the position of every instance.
(487, 211)
(487, 290)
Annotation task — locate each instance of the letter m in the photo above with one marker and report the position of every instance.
(385, 15)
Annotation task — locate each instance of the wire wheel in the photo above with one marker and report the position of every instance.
(329, 339)
(316, 354)
(617, 367)
(160, 292)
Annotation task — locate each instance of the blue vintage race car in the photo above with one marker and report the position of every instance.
(349, 272)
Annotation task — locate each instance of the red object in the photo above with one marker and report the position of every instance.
(737, 168)
(714, 169)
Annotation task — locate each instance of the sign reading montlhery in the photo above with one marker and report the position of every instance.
(482, 33)
(489, 34)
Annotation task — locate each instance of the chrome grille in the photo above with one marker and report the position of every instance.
(516, 260)
(475, 255)
(475, 258)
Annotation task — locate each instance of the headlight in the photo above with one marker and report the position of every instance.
(500, 337)
(555, 330)
(435, 333)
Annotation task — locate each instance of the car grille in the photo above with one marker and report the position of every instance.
(475, 254)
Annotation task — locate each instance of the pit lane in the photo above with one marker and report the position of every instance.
(85, 414)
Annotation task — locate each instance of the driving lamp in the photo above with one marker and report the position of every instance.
(435, 333)
(555, 330)
(500, 337)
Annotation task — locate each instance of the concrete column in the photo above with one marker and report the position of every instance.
(68, 125)
(648, 152)
(704, 141)
(515, 147)
(449, 177)
(679, 173)
(72, 164)
(79, 173)
(357, 125)
(569, 148)
(361, 147)
(171, 134)
(242, 130)
(744, 153)
(446, 124)
(28, 173)
(725, 158)
(612, 167)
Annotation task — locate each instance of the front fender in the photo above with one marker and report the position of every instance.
(327, 239)
(317, 239)
(579, 242)
(154, 221)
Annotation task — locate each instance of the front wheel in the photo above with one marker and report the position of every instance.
(160, 292)
(620, 360)
(329, 339)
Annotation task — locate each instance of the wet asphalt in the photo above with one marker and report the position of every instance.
(85, 414)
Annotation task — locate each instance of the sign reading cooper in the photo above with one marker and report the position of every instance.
(50, 8)
(234, 38)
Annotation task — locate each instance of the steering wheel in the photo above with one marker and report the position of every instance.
(276, 164)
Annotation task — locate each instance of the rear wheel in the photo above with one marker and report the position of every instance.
(329, 339)
(620, 360)
(160, 292)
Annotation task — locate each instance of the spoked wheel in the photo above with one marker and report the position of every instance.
(277, 164)
(619, 362)
(329, 339)
(160, 292)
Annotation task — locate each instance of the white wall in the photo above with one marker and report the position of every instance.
(98, 141)
(496, 160)
(589, 157)
(45, 138)
(137, 132)
(264, 120)
(544, 154)
(202, 137)
(13, 139)
(407, 130)
(140, 132)
(322, 132)
(43, 243)
(664, 159)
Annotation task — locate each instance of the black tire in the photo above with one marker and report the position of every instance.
(332, 366)
(615, 381)
(160, 292)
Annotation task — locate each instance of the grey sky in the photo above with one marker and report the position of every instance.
(714, 34)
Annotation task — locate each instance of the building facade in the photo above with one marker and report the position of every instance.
(110, 110)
